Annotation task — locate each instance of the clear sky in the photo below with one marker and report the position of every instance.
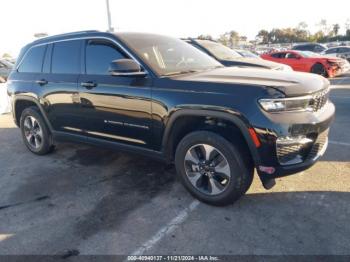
(20, 19)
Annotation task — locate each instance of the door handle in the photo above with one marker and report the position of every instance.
(89, 84)
(41, 82)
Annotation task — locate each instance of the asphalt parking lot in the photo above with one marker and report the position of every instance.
(86, 200)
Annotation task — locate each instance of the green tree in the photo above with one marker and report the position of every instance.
(336, 28)
(205, 37)
(263, 35)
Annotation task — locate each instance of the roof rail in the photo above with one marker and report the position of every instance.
(67, 34)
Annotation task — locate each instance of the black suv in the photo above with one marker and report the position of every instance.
(162, 97)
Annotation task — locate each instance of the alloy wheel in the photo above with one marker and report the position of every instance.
(207, 169)
(33, 132)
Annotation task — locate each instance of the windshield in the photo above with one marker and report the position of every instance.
(220, 51)
(247, 53)
(308, 54)
(168, 55)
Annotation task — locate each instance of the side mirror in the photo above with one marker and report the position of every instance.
(125, 67)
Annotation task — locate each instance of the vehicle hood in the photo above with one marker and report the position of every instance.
(290, 83)
(250, 61)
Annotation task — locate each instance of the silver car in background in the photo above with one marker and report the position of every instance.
(339, 51)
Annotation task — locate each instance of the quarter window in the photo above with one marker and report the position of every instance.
(33, 60)
(99, 55)
(66, 57)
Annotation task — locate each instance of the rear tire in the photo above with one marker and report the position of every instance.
(35, 133)
(319, 69)
(212, 169)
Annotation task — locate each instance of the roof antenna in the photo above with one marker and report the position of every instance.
(110, 28)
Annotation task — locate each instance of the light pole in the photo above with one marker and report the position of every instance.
(110, 28)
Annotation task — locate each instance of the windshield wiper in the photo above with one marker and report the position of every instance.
(181, 72)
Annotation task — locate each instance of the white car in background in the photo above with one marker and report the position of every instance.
(5, 106)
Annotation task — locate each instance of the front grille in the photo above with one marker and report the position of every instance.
(319, 99)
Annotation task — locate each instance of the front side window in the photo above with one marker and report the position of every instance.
(99, 55)
(291, 56)
(331, 51)
(66, 57)
(33, 60)
(168, 55)
(318, 48)
(278, 55)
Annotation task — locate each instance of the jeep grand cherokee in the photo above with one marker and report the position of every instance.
(162, 97)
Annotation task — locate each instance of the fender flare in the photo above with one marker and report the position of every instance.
(35, 101)
(231, 117)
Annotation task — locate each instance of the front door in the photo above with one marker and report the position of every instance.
(116, 108)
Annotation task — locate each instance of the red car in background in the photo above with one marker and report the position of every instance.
(306, 61)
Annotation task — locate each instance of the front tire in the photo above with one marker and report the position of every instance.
(211, 168)
(319, 69)
(35, 133)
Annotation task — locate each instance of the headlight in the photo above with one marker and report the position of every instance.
(287, 104)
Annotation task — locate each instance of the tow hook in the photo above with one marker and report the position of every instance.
(268, 183)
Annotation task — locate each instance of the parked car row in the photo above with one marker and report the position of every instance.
(296, 59)
(230, 57)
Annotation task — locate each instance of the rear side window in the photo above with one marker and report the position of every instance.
(318, 48)
(344, 50)
(332, 50)
(99, 55)
(302, 47)
(33, 60)
(66, 57)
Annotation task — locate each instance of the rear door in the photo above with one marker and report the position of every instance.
(58, 85)
(116, 108)
(28, 71)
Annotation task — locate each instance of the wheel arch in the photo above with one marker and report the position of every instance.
(319, 63)
(237, 121)
(21, 102)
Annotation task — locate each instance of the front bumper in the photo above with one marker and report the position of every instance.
(276, 161)
(339, 70)
(314, 155)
